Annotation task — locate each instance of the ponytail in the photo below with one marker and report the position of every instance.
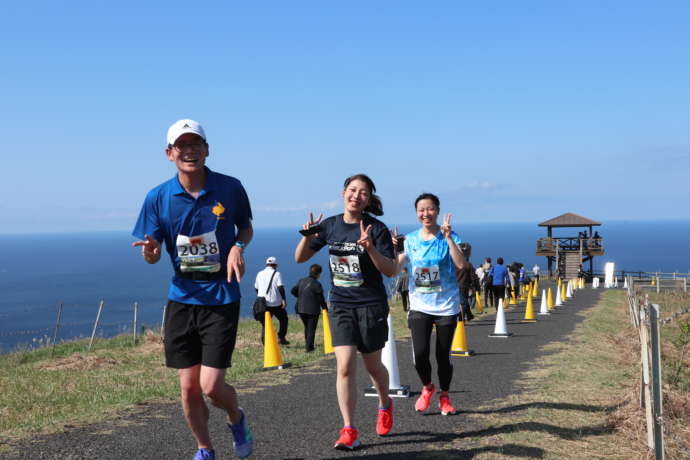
(375, 206)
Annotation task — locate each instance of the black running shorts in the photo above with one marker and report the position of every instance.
(200, 334)
(365, 327)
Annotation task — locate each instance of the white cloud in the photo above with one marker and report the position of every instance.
(480, 185)
(324, 206)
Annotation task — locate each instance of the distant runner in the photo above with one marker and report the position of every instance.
(433, 255)
(360, 249)
(204, 218)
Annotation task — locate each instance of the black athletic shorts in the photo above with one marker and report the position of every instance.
(200, 334)
(365, 327)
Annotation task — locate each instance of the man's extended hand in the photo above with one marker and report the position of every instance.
(150, 249)
(235, 264)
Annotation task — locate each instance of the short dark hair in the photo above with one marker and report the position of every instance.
(315, 270)
(375, 206)
(428, 196)
(499, 261)
(488, 259)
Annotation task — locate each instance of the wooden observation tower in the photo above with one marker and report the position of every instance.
(571, 252)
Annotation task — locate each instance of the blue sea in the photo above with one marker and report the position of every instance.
(40, 271)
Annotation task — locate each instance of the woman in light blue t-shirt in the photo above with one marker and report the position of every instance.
(433, 257)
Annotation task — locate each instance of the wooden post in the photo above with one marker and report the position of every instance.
(95, 324)
(134, 327)
(656, 382)
(685, 285)
(647, 394)
(57, 328)
(658, 288)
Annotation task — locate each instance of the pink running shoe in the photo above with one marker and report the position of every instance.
(424, 399)
(445, 406)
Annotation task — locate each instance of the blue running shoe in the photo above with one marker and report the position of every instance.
(205, 454)
(243, 442)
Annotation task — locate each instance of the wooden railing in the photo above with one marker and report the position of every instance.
(583, 245)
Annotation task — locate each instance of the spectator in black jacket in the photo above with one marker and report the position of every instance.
(310, 301)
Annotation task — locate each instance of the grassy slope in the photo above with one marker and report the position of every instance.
(42, 394)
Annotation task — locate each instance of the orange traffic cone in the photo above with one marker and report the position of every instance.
(549, 301)
(272, 357)
(459, 347)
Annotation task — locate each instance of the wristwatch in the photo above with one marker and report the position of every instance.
(240, 244)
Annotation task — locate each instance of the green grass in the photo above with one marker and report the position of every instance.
(42, 394)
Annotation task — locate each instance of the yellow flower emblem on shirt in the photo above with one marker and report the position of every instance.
(218, 209)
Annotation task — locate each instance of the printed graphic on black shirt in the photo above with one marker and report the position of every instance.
(346, 266)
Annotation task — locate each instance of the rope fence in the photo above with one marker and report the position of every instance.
(103, 322)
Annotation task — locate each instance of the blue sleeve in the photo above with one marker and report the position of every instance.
(456, 238)
(243, 212)
(148, 222)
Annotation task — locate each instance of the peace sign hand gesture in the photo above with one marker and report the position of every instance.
(446, 228)
(364, 237)
(311, 223)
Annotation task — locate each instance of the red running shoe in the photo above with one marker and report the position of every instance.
(424, 399)
(348, 439)
(384, 421)
(445, 406)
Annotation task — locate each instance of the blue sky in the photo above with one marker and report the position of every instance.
(509, 111)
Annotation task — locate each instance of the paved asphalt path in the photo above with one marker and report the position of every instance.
(299, 417)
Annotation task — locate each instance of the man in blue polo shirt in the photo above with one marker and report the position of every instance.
(204, 219)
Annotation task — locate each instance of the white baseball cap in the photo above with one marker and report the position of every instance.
(184, 126)
(271, 261)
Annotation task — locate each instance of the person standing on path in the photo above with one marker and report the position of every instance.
(468, 283)
(499, 280)
(535, 271)
(360, 250)
(487, 285)
(269, 284)
(204, 219)
(310, 302)
(402, 286)
(434, 258)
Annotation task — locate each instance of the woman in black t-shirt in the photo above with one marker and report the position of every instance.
(360, 250)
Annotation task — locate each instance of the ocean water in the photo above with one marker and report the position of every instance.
(39, 271)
